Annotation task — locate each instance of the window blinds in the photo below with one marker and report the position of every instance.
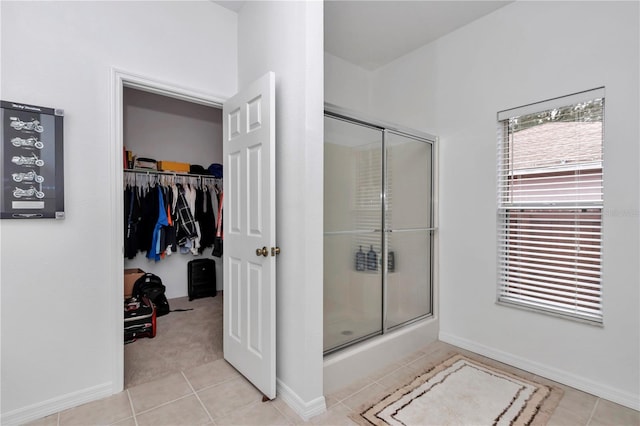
(550, 199)
(368, 206)
(368, 196)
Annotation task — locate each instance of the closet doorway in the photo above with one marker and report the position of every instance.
(147, 118)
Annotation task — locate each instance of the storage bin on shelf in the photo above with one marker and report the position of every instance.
(173, 166)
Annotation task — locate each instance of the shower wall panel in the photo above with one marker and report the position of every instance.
(352, 223)
(408, 228)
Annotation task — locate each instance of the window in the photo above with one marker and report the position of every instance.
(550, 202)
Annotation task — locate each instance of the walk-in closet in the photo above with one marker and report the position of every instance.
(169, 130)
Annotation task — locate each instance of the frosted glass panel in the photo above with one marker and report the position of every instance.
(352, 177)
(352, 297)
(408, 180)
(408, 277)
(352, 223)
(408, 221)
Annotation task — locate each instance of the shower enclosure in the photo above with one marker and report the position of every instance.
(378, 228)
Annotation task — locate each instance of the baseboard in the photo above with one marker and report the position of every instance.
(560, 376)
(306, 410)
(54, 405)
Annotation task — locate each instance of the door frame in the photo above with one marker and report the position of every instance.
(119, 80)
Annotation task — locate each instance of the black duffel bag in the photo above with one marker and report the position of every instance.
(150, 285)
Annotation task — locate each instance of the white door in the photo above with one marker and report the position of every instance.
(249, 233)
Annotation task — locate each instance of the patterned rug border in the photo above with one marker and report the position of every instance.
(548, 396)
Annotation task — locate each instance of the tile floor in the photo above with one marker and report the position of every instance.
(216, 394)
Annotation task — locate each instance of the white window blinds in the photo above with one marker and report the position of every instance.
(550, 199)
(368, 196)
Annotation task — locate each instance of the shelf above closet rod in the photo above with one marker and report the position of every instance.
(159, 176)
(157, 172)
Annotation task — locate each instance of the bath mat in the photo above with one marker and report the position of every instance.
(461, 391)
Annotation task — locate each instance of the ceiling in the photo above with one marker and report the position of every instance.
(371, 34)
(234, 5)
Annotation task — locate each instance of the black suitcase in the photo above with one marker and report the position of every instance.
(139, 319)
(202, 278)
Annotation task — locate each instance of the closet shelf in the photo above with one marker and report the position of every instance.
(158, 172)
(134, 176)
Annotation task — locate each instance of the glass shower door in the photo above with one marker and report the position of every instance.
(352, 232)
(408, 228)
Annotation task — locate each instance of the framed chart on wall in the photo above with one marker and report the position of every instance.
(31, 157)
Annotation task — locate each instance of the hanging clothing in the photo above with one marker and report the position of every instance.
(163, 219)
(191, 195)
(206, 218)
(156, 249)
(148, 216)
(217, 243)
(186, 227)
(131, 221)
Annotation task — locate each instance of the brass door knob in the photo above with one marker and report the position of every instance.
(262, 252)
(275, 250)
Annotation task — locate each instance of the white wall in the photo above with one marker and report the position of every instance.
(287, 38)
(346, 85)
(523, 53)
(165, 128)
(404, 92)
(56, 283)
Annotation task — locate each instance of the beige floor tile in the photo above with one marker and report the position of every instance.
(438, 348)
(564, 417)
(579, 402)
(186, 411)
(330, 401)
(338, 415)
(102, 412)
(51, 420)
(398, 378)
(574, 408)
(211, 374)
(258, 413)
(378, 374)
(610, 413)
(223, 399)
(423, 364)
(412, 357)
(366, 397)
(126, 422)
(351, 389)
(287, 411)
(158, 392)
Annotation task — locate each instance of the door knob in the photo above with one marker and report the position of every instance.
(275, 250)
(262, 252)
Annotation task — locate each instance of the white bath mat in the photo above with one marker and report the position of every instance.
(461, 391)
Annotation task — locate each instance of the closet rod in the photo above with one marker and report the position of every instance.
(202, 179)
